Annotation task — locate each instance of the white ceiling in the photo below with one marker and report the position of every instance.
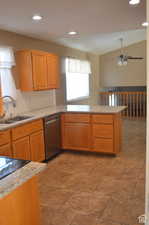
(99, 22)
(103, 43)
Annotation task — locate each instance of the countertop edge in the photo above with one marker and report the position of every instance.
(61, 109)
(19, 177)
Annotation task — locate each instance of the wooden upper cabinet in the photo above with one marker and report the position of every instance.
(39, 66)
(24, 70)
(37, 70)
(53, 71)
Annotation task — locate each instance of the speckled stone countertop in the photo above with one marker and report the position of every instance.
(41, 113)
(20, 176)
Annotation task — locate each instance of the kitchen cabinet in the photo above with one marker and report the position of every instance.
(39, 66)
(21, 148)
(37, 70)
(5, 143)
(5, 150)
(28, 141)
(53, 71)
(76, 132)
(37, 146)
(21, 206)
(4, 137)
(91, 132)
(76, 136)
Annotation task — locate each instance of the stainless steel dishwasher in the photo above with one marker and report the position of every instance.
(52, 135)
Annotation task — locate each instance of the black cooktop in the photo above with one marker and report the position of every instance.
(8, 165)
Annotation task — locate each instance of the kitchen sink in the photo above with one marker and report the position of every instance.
(14, 119)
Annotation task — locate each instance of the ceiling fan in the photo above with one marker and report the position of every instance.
(123, 58)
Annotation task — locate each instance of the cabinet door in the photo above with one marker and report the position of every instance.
(23, 70)
(39, 65)
(4, 137)
(21, 148)
(21, 206)
(76, 136)
(5, 150)
(37, 146)
(53, 73)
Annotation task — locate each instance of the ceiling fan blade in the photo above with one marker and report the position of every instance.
(131, 57)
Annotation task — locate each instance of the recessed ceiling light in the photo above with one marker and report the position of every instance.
(37, 17)
(72, 32)
(145, 24)
(134, 2)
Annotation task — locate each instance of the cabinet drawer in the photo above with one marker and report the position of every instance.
(103, 145)
(4, 137)
(26, 129)
(76, 118)
(105, 119)
(103, 130)
(5, 150)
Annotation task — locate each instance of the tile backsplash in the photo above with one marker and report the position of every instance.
(29, 101)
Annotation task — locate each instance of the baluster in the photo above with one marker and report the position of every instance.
(140, 105)
(143, 104)
(137, 93)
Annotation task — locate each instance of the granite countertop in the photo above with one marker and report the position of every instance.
(19, 176)
(41, 113)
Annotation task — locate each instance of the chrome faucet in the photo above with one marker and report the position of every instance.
(13, 101)
(11, 98)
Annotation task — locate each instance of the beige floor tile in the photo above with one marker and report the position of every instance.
(95, 189)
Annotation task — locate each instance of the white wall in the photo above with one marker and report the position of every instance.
(134, 74)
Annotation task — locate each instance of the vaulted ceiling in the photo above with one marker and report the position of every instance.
(99, 23)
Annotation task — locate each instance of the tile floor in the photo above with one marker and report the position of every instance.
(92, 189)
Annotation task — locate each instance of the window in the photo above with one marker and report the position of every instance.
(77, 79)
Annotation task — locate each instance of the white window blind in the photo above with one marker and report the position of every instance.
(6, 62)
(77, 79)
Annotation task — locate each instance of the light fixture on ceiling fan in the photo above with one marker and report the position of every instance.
(134, 2)
(123, 58)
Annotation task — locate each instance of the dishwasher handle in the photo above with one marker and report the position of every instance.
(51, 121)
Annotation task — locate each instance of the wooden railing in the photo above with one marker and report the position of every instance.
(135, 102)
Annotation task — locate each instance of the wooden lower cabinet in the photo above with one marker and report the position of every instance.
(76, 136)
(102, 130)
(4, 137)
(91, 132)
(21, 148)
(28, 141)
(5, 150)
(37, 146)
(103, 145)
(21, 206)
